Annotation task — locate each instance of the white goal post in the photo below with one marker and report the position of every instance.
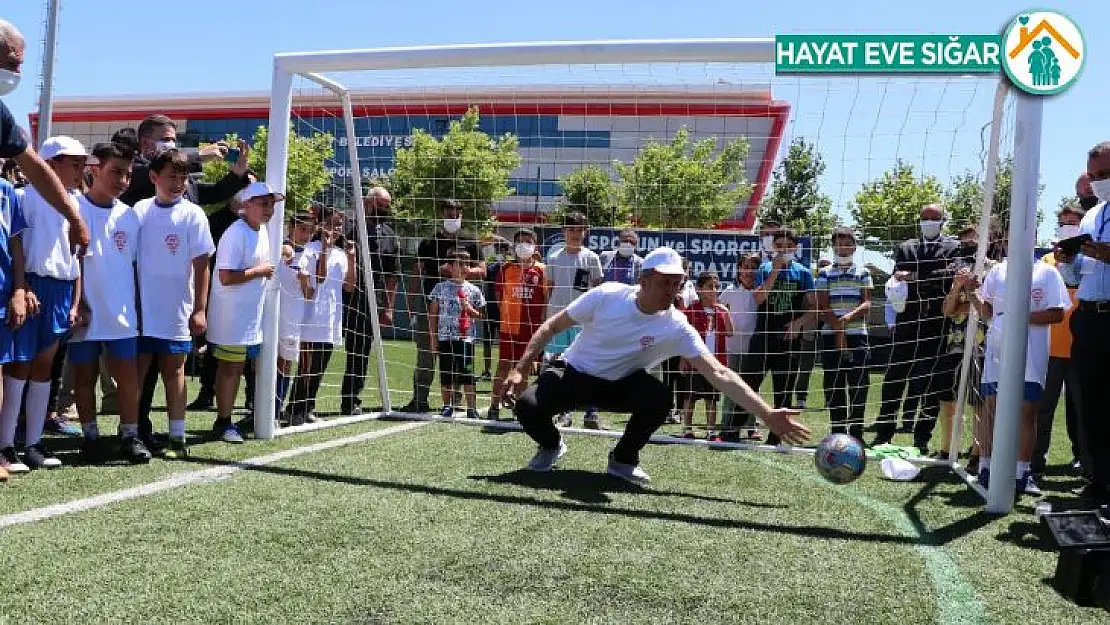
(312, 66)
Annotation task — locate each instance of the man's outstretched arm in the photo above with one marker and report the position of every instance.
(780, 420)
(46, 182)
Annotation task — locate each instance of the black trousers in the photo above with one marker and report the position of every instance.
(770, 352)
(846, 382)
(1062, 376)
(562, 388)
(1090, 345)
(307, 384)
(358, 339)
(913, 360)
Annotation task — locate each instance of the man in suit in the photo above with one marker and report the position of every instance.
(924, 264)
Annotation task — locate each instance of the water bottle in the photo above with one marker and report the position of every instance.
(464, 319)
(1042, 509)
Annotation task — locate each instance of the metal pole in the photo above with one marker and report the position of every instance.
(1015, 323)
(46, 94)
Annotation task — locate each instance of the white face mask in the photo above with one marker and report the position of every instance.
(930, 228)
(163, 145)
(768, 243)
(1067, 232)
(488, 251)
(1101, 189)
(525, 250)
(452, 225)
(845, 260)
(9, 80)
(625, 249)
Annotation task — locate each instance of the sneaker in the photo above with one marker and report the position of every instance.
(415, 407)
(801, 404)
(154, 443)
(1076, 467)
(922, 448)
(38, 457)
(176, 449)
(472, 413)
(310, 417)
(353, 410)
(231, 434)
(494, 413)
(297, 418)
(688, 434)
(564, 420)
(1027, 485)
(714, 437)
(631, 473)
(881, 440)
(985, 477)
(486, 376)
(755, 435)
(545, 459)
(133, 450)
(591, 423)
(246, 424)
(447, 412)
(673, 418)
(56, 424)
(10, 462)
(972, 464)
(202, 403)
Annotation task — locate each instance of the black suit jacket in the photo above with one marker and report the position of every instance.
(931, 263)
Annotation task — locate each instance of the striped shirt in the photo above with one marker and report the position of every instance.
(846, 287)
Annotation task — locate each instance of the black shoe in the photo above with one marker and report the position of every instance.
(154, 443)
(1076, 467)
(246, 424)
(249, 405)
(38, 457)
(922, 447)
(773, 439)
(972, 464)
(134, 451)
(415, 407)
(881, 439)
(202, 403)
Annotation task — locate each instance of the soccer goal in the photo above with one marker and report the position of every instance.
(680, 141)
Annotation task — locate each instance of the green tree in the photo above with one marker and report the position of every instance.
(888, 209)
(795, 199)
(307, 174)
(684, 184)
(590, 189)
(964, 198)
(466, 164)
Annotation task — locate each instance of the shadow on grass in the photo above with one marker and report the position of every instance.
(547, 504)
(963, 497)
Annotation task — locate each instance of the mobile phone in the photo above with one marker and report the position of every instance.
(232, 155)
(1071, 246)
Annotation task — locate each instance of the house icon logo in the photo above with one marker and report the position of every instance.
(1044, 52)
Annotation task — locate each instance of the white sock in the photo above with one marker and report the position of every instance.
(9, 411)
(90, 430)
(177, 429)
(38, 396)
(984, 462)
(1022, 468)
(129, 430)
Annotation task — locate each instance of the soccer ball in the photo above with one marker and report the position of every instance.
(840, 458)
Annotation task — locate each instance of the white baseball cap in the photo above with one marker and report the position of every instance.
(62, 146)
(664, 260)
(259, 189)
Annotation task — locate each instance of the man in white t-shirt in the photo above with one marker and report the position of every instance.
(626, 330)
(1049, 300)
(571, 271)
(174, 245)
(243, 269)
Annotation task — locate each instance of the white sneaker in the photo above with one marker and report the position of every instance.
(10, 461)
(628, 472)
(545, 459)
(564, 420)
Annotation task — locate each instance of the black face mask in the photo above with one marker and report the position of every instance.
(1088, 202)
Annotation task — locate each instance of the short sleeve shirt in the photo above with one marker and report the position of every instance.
(786, 300)
(436, 251)
(12, 140)
(448, 295)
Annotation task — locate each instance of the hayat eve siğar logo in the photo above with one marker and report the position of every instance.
(1044, 52)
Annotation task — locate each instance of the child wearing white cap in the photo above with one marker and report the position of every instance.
(52, 273)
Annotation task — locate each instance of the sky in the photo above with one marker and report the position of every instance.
(209, 45)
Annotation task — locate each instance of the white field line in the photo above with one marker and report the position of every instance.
(187, 478)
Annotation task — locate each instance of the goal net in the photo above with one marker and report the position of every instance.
(697, 145)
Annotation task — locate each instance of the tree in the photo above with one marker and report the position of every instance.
(591, 190)
(466, 165)
(683, 184)
(889, 208)
(306, 173)
(796, 199)
(964, 199)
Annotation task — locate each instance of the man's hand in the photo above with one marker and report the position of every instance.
(264, 269)
(510, 388)
(17, 310)
(32, 303)
(1097, 250)
(213, 151)
(781, 421)
(240, 166)
(385, 317)
(78, 236)
(782, 261)
(445, 270)
(198, 323)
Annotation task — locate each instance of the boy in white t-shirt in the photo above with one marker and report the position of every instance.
(51, 274)
(1049, 300)
(740, 301)
(296, 291)
(107, 316)
(243, 269)
(174, 246)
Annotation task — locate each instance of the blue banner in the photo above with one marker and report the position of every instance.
(716, 251)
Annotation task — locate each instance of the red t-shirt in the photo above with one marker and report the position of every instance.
(521, 298)
(704, 319)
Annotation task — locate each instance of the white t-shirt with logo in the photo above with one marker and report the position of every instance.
(46, 239)
(1047, 291)
(235, 310)
(618, 339)
(170, 237)
(571, 275)
(293, 304)
(323, 319)
(109, 278)
(742, 308)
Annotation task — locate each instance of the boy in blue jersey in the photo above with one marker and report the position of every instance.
(14, 306)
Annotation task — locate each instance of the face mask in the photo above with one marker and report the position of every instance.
(930, 229)
(161, 146)
(1066, 232)
(9, 80)
(626, 249)
(452, 225)
(844, 260)
(524, 250)
(1088, 202)
(768, 243)
(1101, 189)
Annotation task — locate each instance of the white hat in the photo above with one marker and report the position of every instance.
(664, 260)
(61, 146)
(259, 189)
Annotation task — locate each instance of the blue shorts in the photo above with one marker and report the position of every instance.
(1032, 392)
(82, 352)
(561, 341)
(51, 324)
(236, 353)
(151, 345)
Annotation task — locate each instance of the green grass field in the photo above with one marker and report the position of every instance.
(439, 524)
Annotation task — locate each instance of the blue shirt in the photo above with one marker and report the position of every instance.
(846, 287)
(786, 300)
(12, 140)
(1094, 276)
(623, 269)
(12, 225)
